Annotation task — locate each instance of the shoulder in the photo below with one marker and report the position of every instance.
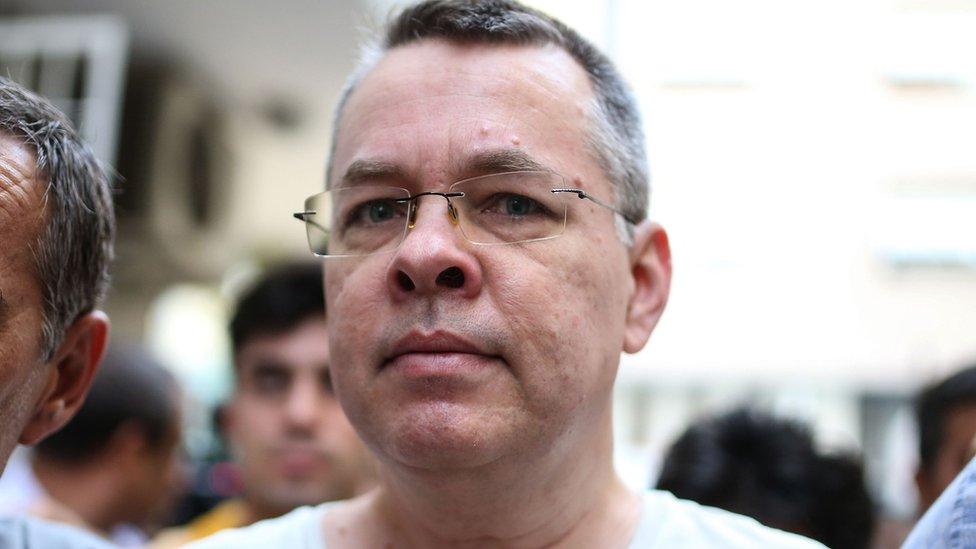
(227, 514)
(301, 528)
(667, 521)
(32, 533)
(951, 521)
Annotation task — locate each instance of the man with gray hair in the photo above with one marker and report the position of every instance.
(487, 258)
(56, 230)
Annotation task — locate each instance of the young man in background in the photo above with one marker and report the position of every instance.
(290, 438)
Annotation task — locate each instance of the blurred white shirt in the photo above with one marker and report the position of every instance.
(20, 491)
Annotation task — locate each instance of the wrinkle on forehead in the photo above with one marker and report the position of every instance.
(18, 194)
(22, 212)
(4, 310)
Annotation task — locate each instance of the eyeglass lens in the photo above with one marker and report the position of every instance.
(495, 209)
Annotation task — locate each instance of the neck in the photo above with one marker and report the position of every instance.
(82, 490)
(562, 496)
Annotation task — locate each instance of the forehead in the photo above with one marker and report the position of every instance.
(960, 424)
(304, 346)
(21, 200)
(428, 105)
(19, 192)
(21, 212)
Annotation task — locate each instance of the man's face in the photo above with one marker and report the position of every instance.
(958, 448)
(21, 313)
(290, 436)
(523, 353)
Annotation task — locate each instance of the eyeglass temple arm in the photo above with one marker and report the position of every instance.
(304, 216)
(583, 195)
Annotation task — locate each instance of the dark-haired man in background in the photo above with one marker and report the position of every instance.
(946, 476)
(754, 464)
(488, 258)
(946, 416)
(290, 438)
(56, 229)
(114, 469)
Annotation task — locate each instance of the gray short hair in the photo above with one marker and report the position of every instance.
(73, 250)
(615, 134)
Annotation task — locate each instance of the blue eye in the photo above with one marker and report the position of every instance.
(517, 205)
(380, 211)
(373, 213)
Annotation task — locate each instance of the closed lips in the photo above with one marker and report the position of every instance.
(434, 343)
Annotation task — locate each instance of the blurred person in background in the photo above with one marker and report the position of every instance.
(289, 436)
(950, 521)
(57, 225)
(946, 476)
(946, 416)
(115, 467)
(756, 465)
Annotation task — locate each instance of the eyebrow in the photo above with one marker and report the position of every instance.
(502, 160)
(267, 364)
(369, 170)
(480, 163)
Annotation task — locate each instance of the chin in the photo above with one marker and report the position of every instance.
(438, 436)
(289, 496)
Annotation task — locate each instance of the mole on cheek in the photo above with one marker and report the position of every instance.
(516, 141)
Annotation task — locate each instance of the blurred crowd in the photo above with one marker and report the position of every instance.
(118, 468)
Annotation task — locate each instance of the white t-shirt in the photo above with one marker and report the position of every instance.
(20, 491)
(666, 522)
(32, 533)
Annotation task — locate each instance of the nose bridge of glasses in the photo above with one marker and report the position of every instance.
(414, 205)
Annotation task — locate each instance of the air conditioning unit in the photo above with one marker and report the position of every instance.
(204, 182)
(209, 182)
(77, 62)
(190, 181)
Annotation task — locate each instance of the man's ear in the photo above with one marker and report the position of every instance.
(650, 264)
(69, 375)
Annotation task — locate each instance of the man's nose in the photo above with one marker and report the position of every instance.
(303, 407)
(434, 256)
